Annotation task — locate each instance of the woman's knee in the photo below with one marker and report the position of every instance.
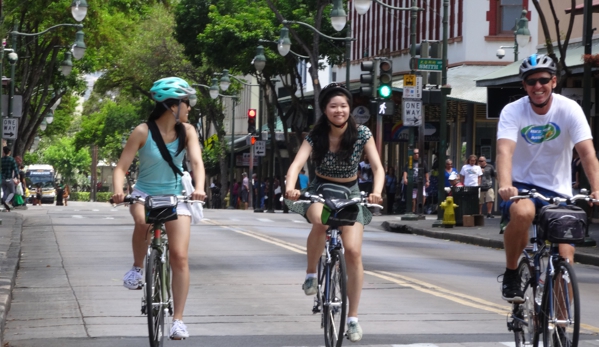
(353, 254)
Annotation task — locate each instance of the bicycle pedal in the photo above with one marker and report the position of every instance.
(315, 309)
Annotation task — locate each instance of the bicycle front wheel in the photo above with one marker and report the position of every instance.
(335, 305)
(524, 321)
(561, 308)
(154, 300)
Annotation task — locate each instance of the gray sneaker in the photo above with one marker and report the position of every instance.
(310, 286)
(354, 331)
(133, 279)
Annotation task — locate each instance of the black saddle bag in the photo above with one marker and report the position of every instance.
(161, 208)
(562, 224)
(345, 216)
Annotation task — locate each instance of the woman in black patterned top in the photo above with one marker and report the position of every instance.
(336, 144)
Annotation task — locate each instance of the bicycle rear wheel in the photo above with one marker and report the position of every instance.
(154, 300)
(561, 308)
(335, 305)
(524, 323)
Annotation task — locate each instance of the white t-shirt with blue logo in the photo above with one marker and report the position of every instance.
(544, 143)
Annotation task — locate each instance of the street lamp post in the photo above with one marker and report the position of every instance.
(521, 37)
(285, 43)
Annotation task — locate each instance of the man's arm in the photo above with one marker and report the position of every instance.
(505, 153)
(590, 164)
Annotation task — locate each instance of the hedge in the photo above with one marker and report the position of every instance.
(85, 196)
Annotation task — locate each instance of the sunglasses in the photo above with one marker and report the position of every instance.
(533, 81)
(480, 161)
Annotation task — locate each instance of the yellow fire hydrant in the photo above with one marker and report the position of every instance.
(449, 213)
(227, 197)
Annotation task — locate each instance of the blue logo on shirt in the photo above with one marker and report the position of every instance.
(537, 134)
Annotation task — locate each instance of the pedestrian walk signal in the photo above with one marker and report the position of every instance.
(252, 120)
(385, 78)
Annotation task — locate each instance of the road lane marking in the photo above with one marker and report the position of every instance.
(265, 220)
(466, 300)
(424, 287)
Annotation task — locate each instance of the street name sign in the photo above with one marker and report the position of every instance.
(10, 128)
(414, 91)
(429, 64)
(412, 113)
(260, 148)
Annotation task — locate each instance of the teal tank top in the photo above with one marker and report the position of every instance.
(155, 176)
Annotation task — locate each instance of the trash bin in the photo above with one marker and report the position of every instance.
(467, 200)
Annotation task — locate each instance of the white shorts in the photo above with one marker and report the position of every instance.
(182, 209)
(415, 192)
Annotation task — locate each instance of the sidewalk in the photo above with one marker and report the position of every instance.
(486, 236)
(10, 251)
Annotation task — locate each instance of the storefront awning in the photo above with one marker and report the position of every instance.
(510, 73)
(462, 81)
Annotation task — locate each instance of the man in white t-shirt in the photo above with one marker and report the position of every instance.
(535, 138)
(471, 174)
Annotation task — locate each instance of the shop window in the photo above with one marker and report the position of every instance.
(502, 16)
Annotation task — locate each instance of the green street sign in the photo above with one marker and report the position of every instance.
(429, 64)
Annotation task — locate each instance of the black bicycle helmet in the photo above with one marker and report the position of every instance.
(537, 63)
(332, 88)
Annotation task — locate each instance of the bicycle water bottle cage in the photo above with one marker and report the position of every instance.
(339, 212)
(161, 208)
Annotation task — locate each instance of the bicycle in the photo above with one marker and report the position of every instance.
(551, 304)
(157, 301)
(332, 274)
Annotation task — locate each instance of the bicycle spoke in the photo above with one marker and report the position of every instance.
(335, 305)
(562, 309)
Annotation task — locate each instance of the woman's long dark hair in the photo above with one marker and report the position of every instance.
(320, 136)
(159, 110)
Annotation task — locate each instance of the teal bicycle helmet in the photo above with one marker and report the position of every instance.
(173, 88)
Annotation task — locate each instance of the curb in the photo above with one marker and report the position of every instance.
(582, 258)
(8, 271)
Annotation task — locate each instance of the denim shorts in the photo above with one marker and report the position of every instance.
(505, 205)
(364, 216)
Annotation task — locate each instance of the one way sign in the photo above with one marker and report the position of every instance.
(10, 128)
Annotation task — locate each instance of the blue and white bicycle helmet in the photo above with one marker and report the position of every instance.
(173, 88)
(537, 63)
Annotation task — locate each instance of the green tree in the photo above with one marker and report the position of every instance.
(67, 160)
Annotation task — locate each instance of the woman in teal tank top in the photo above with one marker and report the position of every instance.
(174, 98)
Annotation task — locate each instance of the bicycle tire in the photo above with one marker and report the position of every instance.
(335, 306)
(528, 333)
(154, 299)
(561, 308)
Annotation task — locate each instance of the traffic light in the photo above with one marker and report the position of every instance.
(367, 79)
(385, 78)
(252, 120)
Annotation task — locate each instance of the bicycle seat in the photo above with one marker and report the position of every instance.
(339, 204)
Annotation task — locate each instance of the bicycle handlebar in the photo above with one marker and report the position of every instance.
(526, 194)
(307, 198)
(132, 199)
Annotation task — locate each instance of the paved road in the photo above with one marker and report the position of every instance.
(247, 271)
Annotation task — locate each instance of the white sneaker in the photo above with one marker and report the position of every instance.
(310, 286)
(178, 330)
(133, 279)
(354, 331)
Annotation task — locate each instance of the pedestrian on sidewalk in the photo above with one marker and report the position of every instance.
(390, 188)
(336, 144)
(449, 169)
(167, 128)
(471, 173)
(527, 160)
(10, 172)
(416, 171)
(487, 193)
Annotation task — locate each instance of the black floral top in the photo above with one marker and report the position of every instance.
(332, 167)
